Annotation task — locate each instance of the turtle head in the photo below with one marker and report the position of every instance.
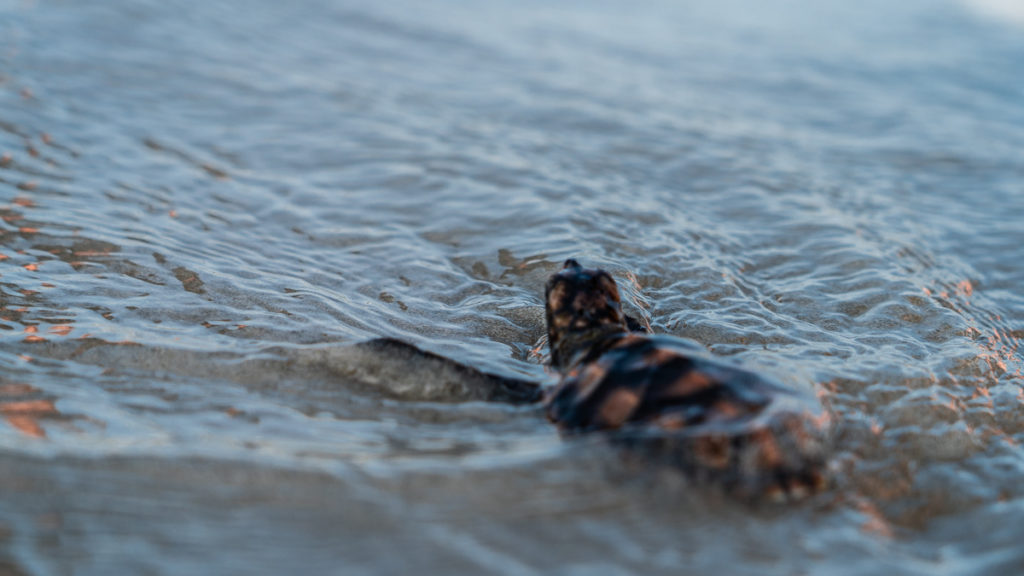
(583, 307)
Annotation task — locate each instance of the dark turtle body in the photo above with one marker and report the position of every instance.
(656, 395)
(668, 396)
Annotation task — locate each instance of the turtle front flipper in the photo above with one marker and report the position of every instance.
(404, 371)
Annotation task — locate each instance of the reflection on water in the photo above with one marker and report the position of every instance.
(23, 413)
(201, 209)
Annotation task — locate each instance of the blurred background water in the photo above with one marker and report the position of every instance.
(202, 203)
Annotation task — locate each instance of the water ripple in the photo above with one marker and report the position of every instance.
(200, 212)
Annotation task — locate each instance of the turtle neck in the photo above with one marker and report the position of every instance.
(576, 345)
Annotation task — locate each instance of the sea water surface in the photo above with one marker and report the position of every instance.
(203, 203)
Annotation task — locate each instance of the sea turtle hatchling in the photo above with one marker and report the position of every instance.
(657, 395)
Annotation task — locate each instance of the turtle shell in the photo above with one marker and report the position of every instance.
(668, 396)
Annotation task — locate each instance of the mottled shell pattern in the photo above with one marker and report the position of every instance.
(659, 393)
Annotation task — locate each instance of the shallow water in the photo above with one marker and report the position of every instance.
(203, 203)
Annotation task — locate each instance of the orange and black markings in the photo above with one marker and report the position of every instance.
(666, 396)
